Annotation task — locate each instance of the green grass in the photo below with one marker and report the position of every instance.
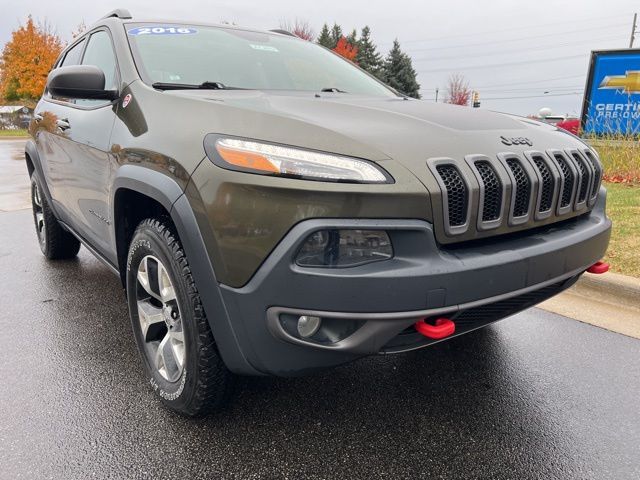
(620, 157)
(623, 207)
(14, 133)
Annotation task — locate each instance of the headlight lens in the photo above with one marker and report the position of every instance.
(344, 248)
(268, 159)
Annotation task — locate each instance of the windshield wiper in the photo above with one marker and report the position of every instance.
(193, 86)
(333, 89)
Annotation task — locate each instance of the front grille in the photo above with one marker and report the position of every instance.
(569, 180)
(457, 194)
(492, 191)
(547, 184)
(585, 178)
(522, 188)
(512, 191)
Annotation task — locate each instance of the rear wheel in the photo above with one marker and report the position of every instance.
(171, 329)
(55, 242)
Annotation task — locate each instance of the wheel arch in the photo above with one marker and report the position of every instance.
(32, 160)
(138, 193)
(154, 193)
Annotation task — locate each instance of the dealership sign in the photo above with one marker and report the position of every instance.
(612, 97)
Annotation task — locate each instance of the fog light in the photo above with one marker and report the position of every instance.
(308, 325)
(344, 248)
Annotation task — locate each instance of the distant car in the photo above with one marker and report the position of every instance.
(571, 125)
(271, 209)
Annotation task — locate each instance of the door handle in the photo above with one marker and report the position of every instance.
(37, 117)
(63, 124)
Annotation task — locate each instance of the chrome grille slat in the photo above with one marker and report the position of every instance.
(585, 174)
(457, 194)
(492, 200)
(584, 184)
(568, 181)
(522, 187)
(597, 180)
(547, 184)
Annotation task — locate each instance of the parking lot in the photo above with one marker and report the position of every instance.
(535, 396)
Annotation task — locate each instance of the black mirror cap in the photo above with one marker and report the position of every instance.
(79, 81)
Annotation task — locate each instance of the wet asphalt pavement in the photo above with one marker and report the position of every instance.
(534, 396)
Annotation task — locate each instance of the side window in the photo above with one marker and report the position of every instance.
(100, 53)
(73, 56)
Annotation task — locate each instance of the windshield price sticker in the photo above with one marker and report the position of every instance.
(162, 30)
(264, 48)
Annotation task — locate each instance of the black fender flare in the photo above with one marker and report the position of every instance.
(31, 150)
(169, 194)
(151, 183)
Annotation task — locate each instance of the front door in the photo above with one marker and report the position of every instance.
(82, 164)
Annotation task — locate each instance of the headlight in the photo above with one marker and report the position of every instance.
(269, 159)
(344, 248)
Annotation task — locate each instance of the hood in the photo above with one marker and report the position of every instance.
(405, 130)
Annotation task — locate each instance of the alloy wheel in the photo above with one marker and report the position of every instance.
(38, 214)
(160, 319)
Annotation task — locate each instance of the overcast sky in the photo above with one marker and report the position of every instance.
(507, 49)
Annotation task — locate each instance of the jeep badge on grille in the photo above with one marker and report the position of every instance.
(516, 141)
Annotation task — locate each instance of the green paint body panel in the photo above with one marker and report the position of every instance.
(235, 225)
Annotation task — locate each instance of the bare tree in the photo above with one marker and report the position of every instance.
(300, 28)
(80, 29)
(458, 92)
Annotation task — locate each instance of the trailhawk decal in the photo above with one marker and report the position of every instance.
(162, 30)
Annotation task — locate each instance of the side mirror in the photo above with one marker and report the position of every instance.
(79, 81)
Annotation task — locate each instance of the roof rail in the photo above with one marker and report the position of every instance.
(283, 32)
(118, 13)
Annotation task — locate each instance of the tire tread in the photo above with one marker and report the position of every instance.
(214, 381)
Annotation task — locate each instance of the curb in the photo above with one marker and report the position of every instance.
(613, 288)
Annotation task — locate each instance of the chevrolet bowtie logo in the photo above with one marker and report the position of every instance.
(628, 83)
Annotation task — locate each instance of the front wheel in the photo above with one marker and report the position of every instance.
(171, 329)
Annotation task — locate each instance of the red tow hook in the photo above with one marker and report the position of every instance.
(443, 328)
(598, 268)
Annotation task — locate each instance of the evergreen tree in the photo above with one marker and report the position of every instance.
(399, 72)
(353, 38)
(336, 35)
(324, 38)
(368, 57)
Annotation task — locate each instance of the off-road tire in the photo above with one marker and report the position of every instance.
(205, 382)
(55, 242)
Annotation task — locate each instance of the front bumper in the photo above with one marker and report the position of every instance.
(473, 283)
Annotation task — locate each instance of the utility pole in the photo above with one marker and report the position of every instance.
(633, 30)
(437, 94)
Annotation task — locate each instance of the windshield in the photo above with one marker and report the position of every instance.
(194, 54)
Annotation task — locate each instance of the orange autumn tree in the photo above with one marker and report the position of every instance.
(26, 61)
(346, 49)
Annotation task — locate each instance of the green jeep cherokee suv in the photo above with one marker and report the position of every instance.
(271, 209)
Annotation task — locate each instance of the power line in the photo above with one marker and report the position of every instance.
(528, 89)
(519, 50)
(505, 64)
(496, 85)
(542, 80)
(512, 29)
(520, 39)
(534, 96)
